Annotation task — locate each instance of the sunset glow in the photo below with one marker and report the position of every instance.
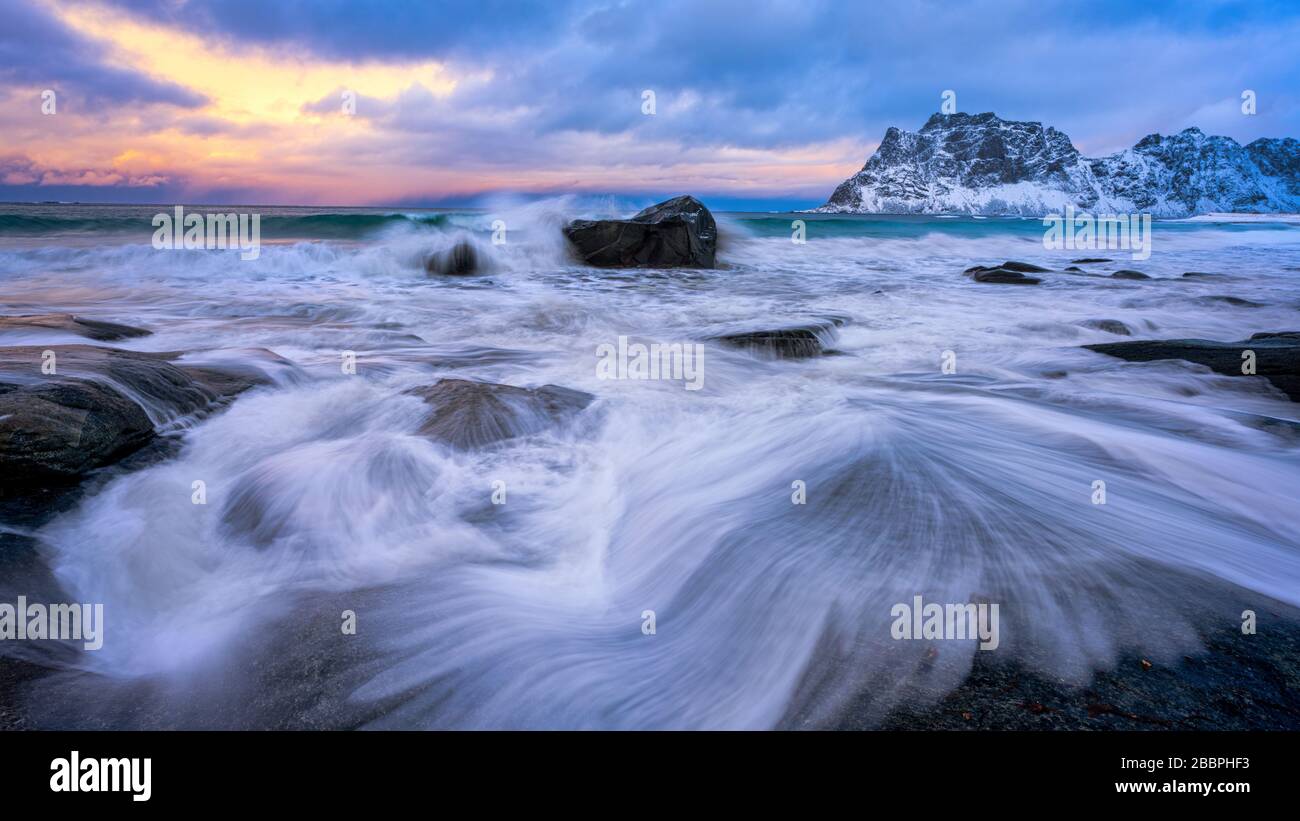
(163, 100)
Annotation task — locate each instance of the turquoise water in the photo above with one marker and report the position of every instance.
(124, 223)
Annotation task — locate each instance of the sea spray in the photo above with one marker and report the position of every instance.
(529, 613)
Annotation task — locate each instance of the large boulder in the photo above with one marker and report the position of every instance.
(62, 430)
(1277, 356)
(468, 414)
(99, 405)
(678, 233)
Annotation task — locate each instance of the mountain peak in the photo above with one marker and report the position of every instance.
(940, 120)
(983, 164)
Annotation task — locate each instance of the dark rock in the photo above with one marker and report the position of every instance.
(1230, 300)
(783, 343)
(459, 260)
(95, 329)
(1207, 692)
(59, 431)
(1277, 356)
(1088, 260)
(678, 233)
(100, 405)
(1005, 277)
(1022, 267)
(812, 338)
(469, 414)
(1074, 269)
(1110, 326)
(1128, 274)
(1199, 275)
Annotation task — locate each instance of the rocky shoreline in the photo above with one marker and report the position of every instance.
(93, 412)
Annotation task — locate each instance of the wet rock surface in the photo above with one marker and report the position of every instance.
(1001, 276)
(1238, 683)
(468, 414)
(63, 430)
(677, 233)
(95, 329)
(1277, 356)
(1110, 326)
(794, 341)
(99, 405)
(1023, 267)
(1234, 301)
(462, 259)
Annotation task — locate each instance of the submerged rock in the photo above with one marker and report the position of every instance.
(783, 343)
(1010, 266)
(1110, 326)
(1128, 274)
(677, 233)
(1235, 301)
(1003, 276)
(1088, 260)
(1023, 267)
(459, 260)
(95, 329)
(1277, 356)
(788, 342)
(468, 414)
(99, 405)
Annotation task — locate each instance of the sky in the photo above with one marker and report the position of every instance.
(759, 104)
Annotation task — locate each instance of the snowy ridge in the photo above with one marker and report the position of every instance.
(982, 164)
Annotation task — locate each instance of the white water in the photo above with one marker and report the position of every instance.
(529, 614)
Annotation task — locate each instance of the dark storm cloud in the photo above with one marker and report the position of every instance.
(777, 74)
(37, 50)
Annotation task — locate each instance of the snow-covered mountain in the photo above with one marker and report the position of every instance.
(982, 164)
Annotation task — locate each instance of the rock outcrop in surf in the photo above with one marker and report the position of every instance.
(676, 233)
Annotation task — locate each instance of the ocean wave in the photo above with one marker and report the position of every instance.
(342, 225)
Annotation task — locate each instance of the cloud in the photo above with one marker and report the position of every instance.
(37, 50)
(21, 170)
(762, 95)
(380, 29)
(778, 72)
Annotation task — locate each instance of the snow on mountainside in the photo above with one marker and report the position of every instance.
(982, 164)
